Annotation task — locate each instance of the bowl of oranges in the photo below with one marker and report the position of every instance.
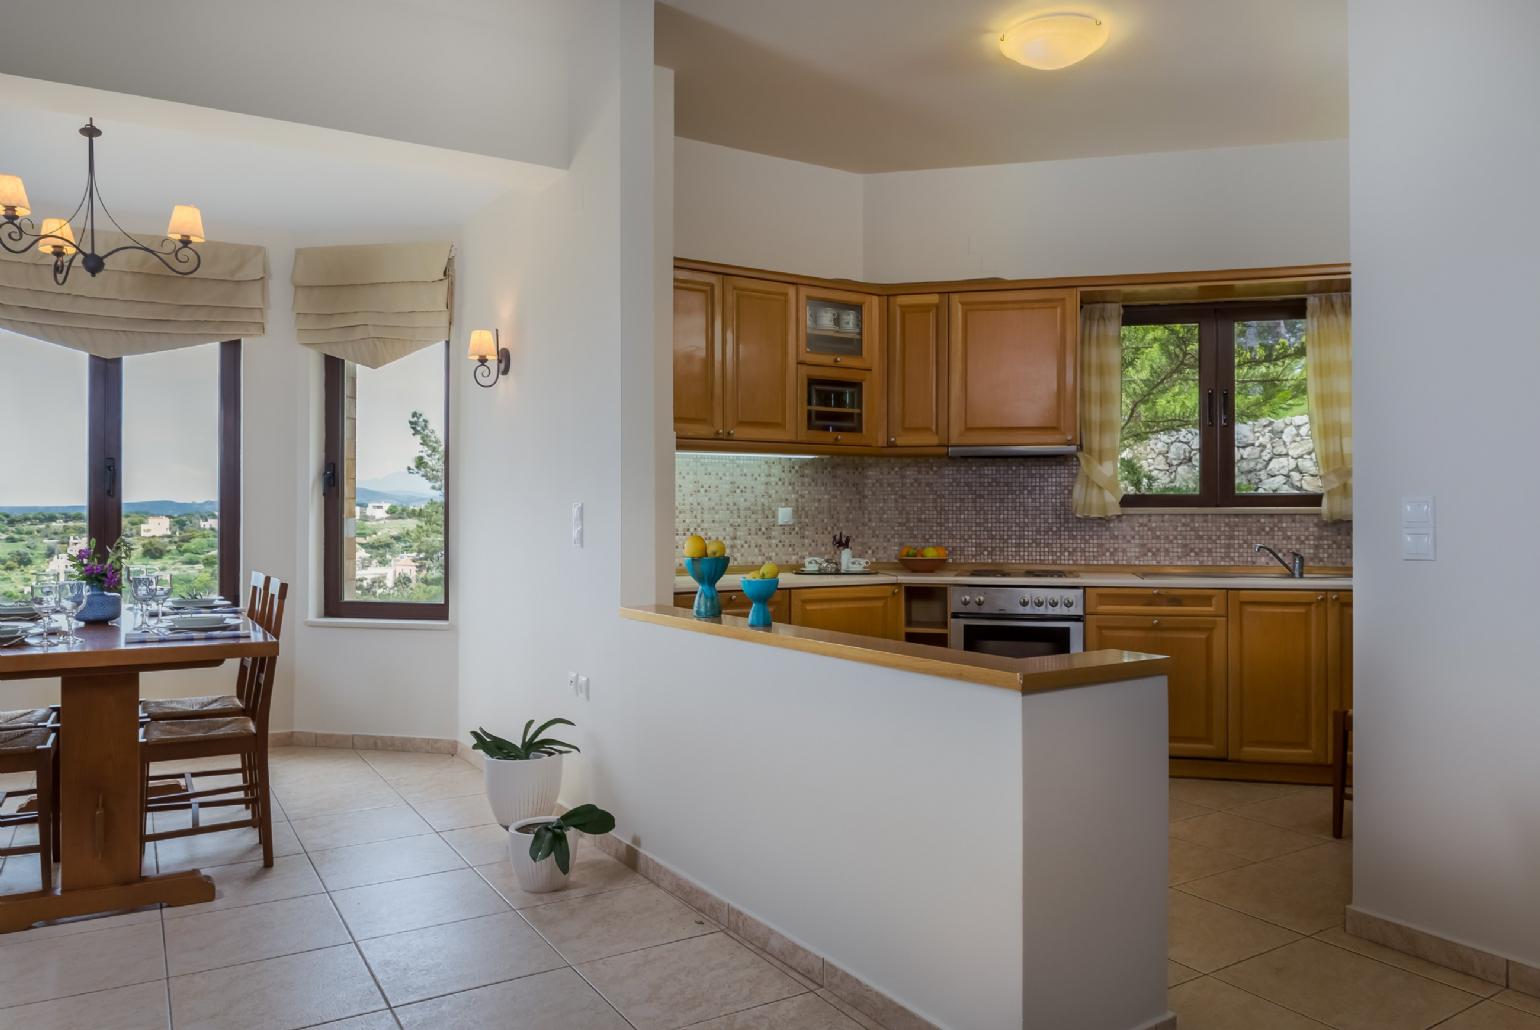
(922, 559)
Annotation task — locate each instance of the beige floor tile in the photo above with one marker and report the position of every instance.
(1206, 937)
(422, 964)
(1209, 1004)
(1514, 999)
(341, 830)
(33, 969)
(1228, 793)
(545, 1001)
(607, 924)
(140, 1007)
(212, 940)
(593, 873)
(686, 982)
(1305, 891)
(92, 923)
(804, 1012)
(1491, 1015)
(859, 1018)
(1180, 810)
(363, 864)
(249, 883)
(333, 798)
(1474, 985)
(455, 813)
(373, 1021)
(1246, 838)
(1177, 973)
(401, 765)
(1345, 990)
(1189, 861)
(276, 994)
(227, 848)
(484, 844)
(1308, 811)
(411, 904)
(456, 779)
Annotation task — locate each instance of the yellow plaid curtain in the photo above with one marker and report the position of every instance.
(1329, 381)
(1097, 492)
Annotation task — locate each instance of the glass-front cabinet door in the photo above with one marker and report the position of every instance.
(836, 327)
(836, 406)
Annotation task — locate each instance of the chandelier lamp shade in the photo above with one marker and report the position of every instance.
(70, 239)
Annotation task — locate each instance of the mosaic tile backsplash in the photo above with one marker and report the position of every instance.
(982, 509)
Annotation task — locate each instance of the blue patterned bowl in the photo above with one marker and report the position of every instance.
(706, 572)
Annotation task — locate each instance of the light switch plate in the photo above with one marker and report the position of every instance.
(1416, 511)
(785, 517)
(1416, 545)
(1418, 529)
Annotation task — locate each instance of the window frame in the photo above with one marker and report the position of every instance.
(1216, 401)
(104, 458)
(333, 604)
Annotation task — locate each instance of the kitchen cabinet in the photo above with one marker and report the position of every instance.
(837, 327)
(1279, 683)
(838, 406)
(697, 355)
(1155, 601)
(870, 611)
(916, 368)
(759, 375)
(1012, 376)
(1195, 685)
(735, 603)
(1339, 649)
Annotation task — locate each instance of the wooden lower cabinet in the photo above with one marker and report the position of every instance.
(1279, 696)
(1195, 686)
(870, 611)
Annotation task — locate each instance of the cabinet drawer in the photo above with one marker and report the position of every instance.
(1154, 601)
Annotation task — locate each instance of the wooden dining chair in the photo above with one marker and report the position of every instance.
(243, 736)
(212, 706)
(1341, 766)
(33, 749)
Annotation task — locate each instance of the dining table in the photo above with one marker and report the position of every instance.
(101, 821)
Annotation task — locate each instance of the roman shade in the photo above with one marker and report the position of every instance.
(136, 305)
(373, 304)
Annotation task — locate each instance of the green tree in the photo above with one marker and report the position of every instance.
(425, 540)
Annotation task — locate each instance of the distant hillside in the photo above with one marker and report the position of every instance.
(403, 498)
(129, 508)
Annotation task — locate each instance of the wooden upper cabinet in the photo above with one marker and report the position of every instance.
(916, 369)
(838, 405)
(697, 354)
(1012, 368)
(759, 380)
(868, 611)
(1279, 699)
(1195, 687)
(837, 327)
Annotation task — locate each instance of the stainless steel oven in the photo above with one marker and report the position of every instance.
(1017, 622)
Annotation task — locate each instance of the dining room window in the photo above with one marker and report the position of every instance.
(386, 467)
(146, 446)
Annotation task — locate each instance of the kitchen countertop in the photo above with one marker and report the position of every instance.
(1263, 580)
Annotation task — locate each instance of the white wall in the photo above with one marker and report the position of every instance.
(1445, 219)
(766, 212)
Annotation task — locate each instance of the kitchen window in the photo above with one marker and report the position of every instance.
(386, 542)
(1214, 407)
(147, 446)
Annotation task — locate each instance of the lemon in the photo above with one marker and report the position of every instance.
(694, 547)
(715, 549)
(769, 570)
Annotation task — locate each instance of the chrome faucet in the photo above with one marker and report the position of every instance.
(1296, 567)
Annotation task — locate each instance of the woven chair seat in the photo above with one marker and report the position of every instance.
(20, 741)
(207, 707)
(199, 729)
(25, 717)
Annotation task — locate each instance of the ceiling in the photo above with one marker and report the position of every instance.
(243, 171)
(893, 85)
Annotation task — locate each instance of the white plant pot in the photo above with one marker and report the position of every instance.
(522, 789)
(544, 876)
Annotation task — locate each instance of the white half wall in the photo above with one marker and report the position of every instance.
(1445, 222)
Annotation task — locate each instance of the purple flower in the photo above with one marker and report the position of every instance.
(112, 579)
(83, 553)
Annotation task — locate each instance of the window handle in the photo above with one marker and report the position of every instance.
(329, 477)
(1211, 407)
(110, 473)
(1224, 407)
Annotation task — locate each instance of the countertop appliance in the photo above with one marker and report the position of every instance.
(1017, 622)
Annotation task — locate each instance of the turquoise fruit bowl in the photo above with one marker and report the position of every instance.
(706, 572)
(759, 591)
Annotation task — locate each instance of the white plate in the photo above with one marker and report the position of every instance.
(12, 630)
(197, 602)
(198, 621)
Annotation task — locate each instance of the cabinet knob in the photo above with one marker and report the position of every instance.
(731, 431)
(895, 590)
(1156, 591)
(837, 438)
(892, 440)
(718, 432)
(836, 359)
(1336, 597)
(1154, 622)
(1320, 597)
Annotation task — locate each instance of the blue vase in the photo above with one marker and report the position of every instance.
(706, 572)
(100, 606)
(760, 591)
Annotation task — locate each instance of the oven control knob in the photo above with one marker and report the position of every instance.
(1069, 602)
(1038, 601)
(1053, 602)
(966, 600)
(1024, 602)
(978, 599)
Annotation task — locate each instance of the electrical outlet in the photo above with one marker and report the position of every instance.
(577, 523)
(583, 687)
(785, 517)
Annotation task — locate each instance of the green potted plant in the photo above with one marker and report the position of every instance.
(524, 779)
(543, 849)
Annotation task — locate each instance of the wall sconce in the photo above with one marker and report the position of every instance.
(486, 347)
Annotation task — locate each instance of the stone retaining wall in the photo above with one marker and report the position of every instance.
(1272, 456)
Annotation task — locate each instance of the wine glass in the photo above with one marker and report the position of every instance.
(45, 601)
(141, 583)
(160, 589)
(71, 598)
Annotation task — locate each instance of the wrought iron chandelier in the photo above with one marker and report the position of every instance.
(57, 235)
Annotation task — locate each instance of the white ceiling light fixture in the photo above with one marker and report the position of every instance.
(1052, 41)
